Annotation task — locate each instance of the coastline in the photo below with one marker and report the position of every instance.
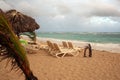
(103, 65)
(109, 47)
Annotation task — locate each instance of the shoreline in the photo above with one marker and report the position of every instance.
(109, 47)
(103, 65)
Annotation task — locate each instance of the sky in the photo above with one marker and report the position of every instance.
(70, 15)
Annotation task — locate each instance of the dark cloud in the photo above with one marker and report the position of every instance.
(105, 11)
(72, 15)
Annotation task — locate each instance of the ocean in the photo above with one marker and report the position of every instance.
(103, 41)
(100, 37)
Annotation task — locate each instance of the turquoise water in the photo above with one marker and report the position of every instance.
(88, 37)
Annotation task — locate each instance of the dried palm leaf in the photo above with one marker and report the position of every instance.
(15, 50)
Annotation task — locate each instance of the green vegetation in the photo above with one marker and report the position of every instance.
(15, 50)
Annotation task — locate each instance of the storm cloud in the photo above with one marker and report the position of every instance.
(70, 15)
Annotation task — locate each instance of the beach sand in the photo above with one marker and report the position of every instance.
(101, 66)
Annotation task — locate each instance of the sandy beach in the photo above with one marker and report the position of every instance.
(102, 65)
(59, 39)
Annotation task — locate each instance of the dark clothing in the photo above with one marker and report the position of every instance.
(90, 50)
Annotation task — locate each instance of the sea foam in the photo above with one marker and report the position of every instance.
(110, 47)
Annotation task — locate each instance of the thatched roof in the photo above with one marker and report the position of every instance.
(20, 22)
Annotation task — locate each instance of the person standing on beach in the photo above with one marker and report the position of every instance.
(88, 46)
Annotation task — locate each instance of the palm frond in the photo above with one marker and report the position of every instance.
(15, 50)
